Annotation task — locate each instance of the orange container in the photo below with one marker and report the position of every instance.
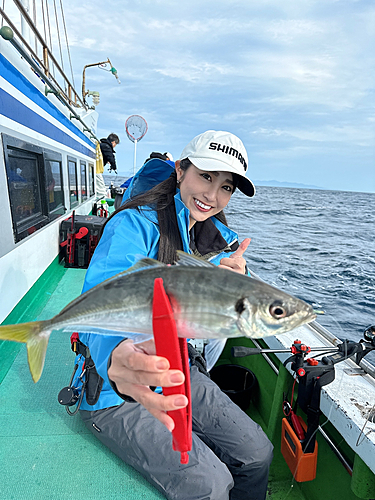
(302, 465)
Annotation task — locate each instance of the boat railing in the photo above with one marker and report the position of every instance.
(65, 88)
(366, 365)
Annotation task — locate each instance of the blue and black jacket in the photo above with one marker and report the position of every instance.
(127, 236)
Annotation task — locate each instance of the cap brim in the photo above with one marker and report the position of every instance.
(213, 165)
(246, 186)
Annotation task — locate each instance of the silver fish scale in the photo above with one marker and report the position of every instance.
(124, 302)
(203, 299)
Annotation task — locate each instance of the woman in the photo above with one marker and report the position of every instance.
(230, 456)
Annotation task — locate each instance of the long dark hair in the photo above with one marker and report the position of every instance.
(161, 199)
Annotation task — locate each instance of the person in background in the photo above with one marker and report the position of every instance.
(230, 455)
(107, 148)
(161, 156)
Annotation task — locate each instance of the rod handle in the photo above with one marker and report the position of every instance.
(240, 351)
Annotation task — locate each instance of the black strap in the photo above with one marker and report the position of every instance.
(94, 382)
(313, 412)
(80, 348)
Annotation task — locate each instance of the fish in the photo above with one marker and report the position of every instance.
(207, 302)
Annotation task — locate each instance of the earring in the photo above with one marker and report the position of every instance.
(178, 183)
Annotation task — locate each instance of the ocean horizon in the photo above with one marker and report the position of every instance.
(316, 245)
(119, 179)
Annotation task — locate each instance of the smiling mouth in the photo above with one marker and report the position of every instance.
(202, 206)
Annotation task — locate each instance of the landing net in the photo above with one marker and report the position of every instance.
(136, 127)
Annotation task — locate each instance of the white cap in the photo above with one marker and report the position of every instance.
(220, 151)
(169, 156)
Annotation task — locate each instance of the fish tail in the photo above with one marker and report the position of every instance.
(36, 337)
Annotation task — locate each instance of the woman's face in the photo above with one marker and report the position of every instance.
(204, 193)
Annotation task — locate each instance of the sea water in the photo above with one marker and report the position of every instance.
(317, 245)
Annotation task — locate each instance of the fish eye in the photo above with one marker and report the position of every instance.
(277, 310)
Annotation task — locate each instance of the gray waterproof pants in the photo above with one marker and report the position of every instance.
(229, 459)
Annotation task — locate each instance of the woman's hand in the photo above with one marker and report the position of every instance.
(135, 367)
(236, 262)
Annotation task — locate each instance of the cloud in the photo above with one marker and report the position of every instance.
(294, 79)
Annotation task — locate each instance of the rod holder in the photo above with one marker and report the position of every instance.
(50, 91)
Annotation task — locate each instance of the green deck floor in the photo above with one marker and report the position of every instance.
(45, 454)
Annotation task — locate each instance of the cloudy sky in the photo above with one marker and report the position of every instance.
(293, 79)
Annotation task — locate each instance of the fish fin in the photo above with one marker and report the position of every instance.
(143, 263)
(36, 354)
(29, 333)
(185, 259)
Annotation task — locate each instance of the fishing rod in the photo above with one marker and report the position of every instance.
(299, 351)
(312, 375)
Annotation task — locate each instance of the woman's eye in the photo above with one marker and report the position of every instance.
(228, 188)
(206, 176)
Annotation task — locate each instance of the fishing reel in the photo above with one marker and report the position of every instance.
(345, 350)
(312, 372)
(369, 335)
(298, 444)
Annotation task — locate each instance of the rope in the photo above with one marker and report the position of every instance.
(58, 35)
(34, 19)
(67, 43)
(49, 32)
(2, 19)
(44, 22)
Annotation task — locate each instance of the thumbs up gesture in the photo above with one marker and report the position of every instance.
(236, 262)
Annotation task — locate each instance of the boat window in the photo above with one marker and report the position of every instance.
(91, 180)
(73, 181)
(83, 181)
(55, 187)
(34, 185)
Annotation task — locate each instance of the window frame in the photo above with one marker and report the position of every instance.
(53, 156)
(84, 187)
(14, 148)
(71, 159)
(91, 172)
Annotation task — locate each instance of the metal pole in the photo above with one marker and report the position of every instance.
(135, 155)
(25, 30)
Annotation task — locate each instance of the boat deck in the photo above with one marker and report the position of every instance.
(47, 454)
